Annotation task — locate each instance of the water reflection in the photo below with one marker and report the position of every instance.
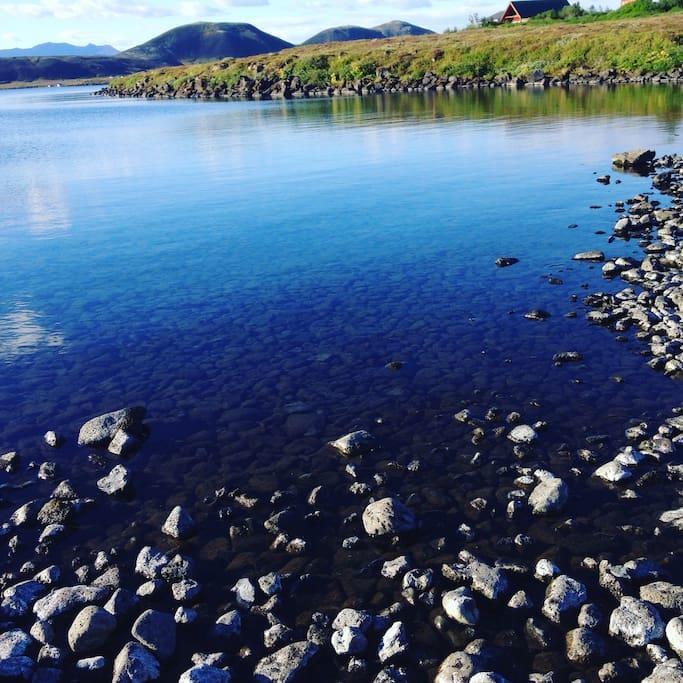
(23, 331)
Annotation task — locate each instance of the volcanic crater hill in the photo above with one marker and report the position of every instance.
(182, 45)
(343, 34)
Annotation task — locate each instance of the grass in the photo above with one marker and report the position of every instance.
(626, 46)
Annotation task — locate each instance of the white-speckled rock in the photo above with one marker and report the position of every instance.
(636, 622)
(387, 516)
(523, 434)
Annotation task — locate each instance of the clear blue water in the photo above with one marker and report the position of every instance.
(220, 261)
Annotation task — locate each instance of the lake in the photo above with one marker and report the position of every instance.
(247, 271)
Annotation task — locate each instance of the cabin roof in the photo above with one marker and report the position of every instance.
(530, 8)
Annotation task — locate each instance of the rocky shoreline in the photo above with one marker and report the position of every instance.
(466, 581)
(259, 86)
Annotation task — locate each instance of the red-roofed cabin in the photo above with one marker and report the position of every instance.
(522, 10)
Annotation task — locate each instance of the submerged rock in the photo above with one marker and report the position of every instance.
(522, 434)
(101, 429)
(115, 482)
(550, 495)
(178, 524)
(354, 443)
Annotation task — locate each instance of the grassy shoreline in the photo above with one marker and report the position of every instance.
(626, 47)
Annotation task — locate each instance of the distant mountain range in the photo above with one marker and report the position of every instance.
(60, 50)
(345, 33)
(199, 42)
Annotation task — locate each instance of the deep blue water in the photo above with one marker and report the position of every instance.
(219, 261)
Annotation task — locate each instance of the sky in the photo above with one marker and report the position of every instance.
(125, 23)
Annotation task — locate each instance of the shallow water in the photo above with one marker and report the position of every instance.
(220, 261)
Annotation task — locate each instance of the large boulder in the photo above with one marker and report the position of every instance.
(90, 629)
(62, 600)
(102, 429)
(387, 516)
(637, 159)
(285, 665)
(636, 622)
(134, 664)
(156, 631)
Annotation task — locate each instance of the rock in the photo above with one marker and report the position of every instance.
(16, 668)
(51, 439)
(91, 664)
(285, 665)
(101, 429)
(523, 434)
(461, 606)
(17, 599)
(228, 625)
(270, 584)
(638, 159)
(391, 674)
(394, 642)
(62, 600)
(670, 671)
(418, 579)
(584, 646)
(612, 471)
(590, 616)
(567, 357)
(178, 524)
(562, 595)
(14, 643)
(245, 592)
(42, 632)
(150, 562)
(520, 600)
(353, 618)
(203, 673)
(673, 517)
(636, 622)
(9, 461)
(674, 634)
(546, 569)
(90, 629)
(392, 569)
(122, 443)
(349, 641)
(355, 443)
(157, 631)
(458, 667)
(663, 594)
(277, 635)
(550, 495)
(537, 314)
(121, 603)
(185, 615)
(135, 664)
(185, 590)
(589, 256)
(491, 582)
(388, 516)
(505, 261)
(115, 482)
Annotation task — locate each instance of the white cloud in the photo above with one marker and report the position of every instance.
(70, 9)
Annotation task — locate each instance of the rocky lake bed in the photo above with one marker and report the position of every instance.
(504, 546)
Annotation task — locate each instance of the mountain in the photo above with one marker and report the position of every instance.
(60, 50)
(202, 42)
(401, 28)
(343, 34)
(186, 44)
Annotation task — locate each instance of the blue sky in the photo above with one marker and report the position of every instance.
(124, 23)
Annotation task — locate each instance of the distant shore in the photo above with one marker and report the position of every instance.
(610, 52)
(68, 83)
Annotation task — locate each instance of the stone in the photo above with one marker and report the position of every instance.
(14, 643)
(121, 603)
(51, 439)
(135, 664)
(636, 622)
(590, 616)
(613, 471)
(353, 618)
(562, 595)
(458, 667)
(91, 664)
(203, 673)
(638, 159)
(42, 632)
(673, 518)
(670, 671)
(115, 482)
(178, 524)
(388, 516)
(392, 569)
(90, 629)
(185, 615)
(156, 631)
(550, 495)
(245, 592)
(674, 634)
(20, 667)
(355, 443)
(349, 641)
(228, 625)
(285, 665)
(150, 562)
(663, 594)
(418, 579)
(491, 582)
(122, 443)
(277, 635)
(589, 256)
(584, 645)
(394, 642)
(62, 600)
(17, 599)
(102, 428)
(392, 674)
(185, 590)
(460, 606)
(523, 434)
(505, 261)
(270, 584)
